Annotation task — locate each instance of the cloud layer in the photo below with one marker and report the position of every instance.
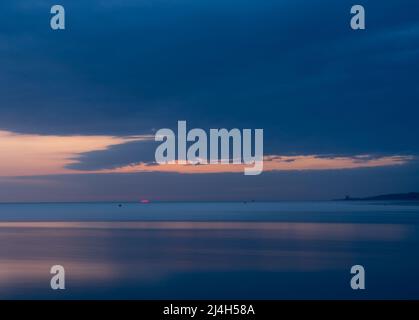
(336, 106)
(40, 155)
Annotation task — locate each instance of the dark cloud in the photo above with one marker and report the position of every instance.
(116, 156)
(293, 68)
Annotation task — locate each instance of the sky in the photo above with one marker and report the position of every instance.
(79, 107)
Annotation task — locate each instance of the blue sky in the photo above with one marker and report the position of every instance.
(293, 68)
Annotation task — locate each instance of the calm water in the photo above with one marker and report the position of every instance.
(210, 250)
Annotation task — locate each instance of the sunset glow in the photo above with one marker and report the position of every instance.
(30, 155)
(273, 163)
(33, 155)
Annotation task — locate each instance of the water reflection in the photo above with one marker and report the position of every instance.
(202, 259)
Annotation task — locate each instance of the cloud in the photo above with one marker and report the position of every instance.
(312, 83)
(115, 156)
(38, 155)
(31, 154)
(293, 68)
(273, 163)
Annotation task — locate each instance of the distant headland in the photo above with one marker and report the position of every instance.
(411, 196)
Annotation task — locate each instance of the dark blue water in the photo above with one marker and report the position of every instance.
(290, 250)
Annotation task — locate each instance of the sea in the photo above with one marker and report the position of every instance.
(210, 250)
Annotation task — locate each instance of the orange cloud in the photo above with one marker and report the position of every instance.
(272, 163)
(34, 155)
